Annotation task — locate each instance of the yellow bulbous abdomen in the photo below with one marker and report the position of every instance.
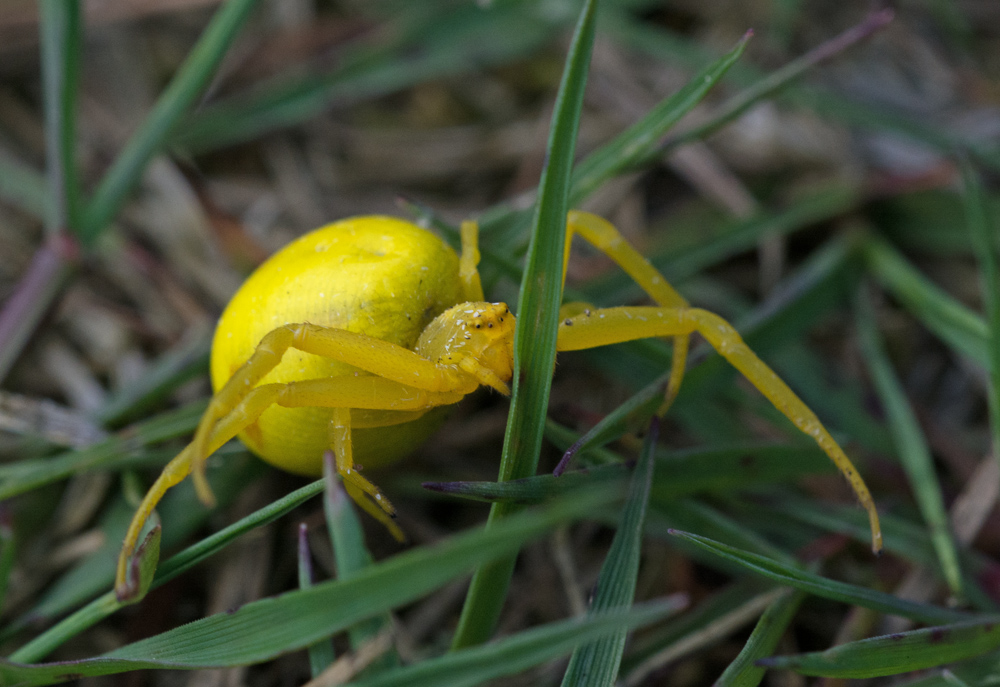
(378, 276)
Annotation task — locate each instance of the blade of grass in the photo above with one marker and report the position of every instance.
(709, 623)
(597, 663)
(975, 671)
(60, 42)
(955, 324)
(444, 43)
(904, 538)
(779, 79)
(765, 87)
(666, 515)
(535, 336)
(744, 671)
(716, 469)
(23, 476)
(321, 653)
(180, 510)
(8, 549)
(187, 360)
(984, 243)
(351, 556)
(902, 652)
(911, 446)
(477, 665)
(56, 258)
(50, 269)
(824, 587)
(297, 619)
(187, 85)
(624, 153)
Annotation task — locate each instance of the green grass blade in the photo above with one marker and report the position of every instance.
(714, 469)
(597, 663)
(445, 43)
(898, 653)
(708, 623)
(54, 260)
(350, 555)
(60, 43)
(976, 671)
(834, 106)
(23, 476)
(823, 587)
(8, 551)
(321, 653)
(985, 245)
(184, 515)
(188, 360)
(911, 446)
(744, 671)
(299, 618)
(779, 79)
(535, 336)
(955, 324)
(905, 538)
(187, 85)
(510, 655)
(628, 148)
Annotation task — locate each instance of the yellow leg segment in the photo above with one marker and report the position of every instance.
(364, 493)
(615, 325)
(373, 393)
(603, 235)
(374, 355)
(472, 286)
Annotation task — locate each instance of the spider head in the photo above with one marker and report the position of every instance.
(478, 338)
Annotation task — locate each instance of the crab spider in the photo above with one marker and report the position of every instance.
(371, 323)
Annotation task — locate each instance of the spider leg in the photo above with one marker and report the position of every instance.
(615, 325)
(180, 467)
(365, 494)
(472, 287)
(373, 355)
(603, 235)
(367, 392)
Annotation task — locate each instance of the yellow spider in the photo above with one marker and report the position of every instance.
(351, 336)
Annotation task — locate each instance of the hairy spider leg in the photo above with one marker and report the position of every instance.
(615, 325)
(605, 237)
(364, 392)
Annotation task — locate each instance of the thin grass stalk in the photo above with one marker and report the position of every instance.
(535, 336)
(55, 260)
(984, 244)
(187, 85)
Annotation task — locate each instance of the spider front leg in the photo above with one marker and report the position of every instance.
(372, 355)
(615, 325)
(365, 392)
